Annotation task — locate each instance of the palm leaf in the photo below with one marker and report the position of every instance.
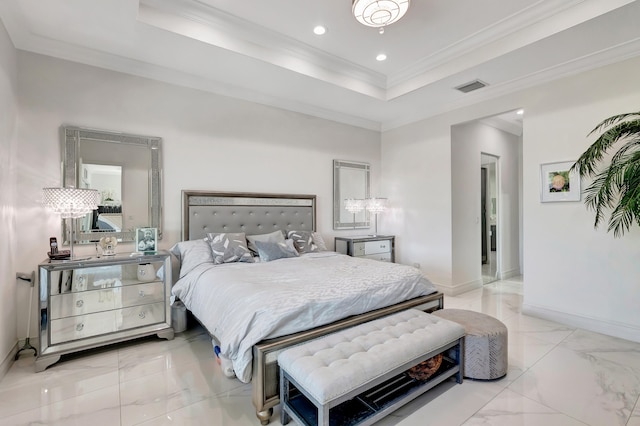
(615, 187)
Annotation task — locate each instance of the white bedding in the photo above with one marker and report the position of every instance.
(244, 303)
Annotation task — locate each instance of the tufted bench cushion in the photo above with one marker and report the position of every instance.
(342, 362)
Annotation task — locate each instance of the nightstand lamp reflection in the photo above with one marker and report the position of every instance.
(354, 206)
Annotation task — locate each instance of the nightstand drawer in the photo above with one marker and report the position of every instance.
(365, 248)
(385, 257)
(142, 294)
(88, 302)
(138, 316)
(80, 327)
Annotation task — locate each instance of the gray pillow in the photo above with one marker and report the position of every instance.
(303, 241)
(269, 251)
(191, 254)
(273, 237)
(229, 247)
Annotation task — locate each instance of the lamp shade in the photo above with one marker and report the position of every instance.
(70, 202)
(379, 13)
(353, 205)
(377, 205)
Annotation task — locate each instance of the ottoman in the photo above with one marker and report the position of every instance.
(485, 343)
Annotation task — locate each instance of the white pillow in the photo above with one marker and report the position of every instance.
(191, 254)
(319, 241)
(273, 237)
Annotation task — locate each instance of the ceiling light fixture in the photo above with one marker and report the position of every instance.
(520, 112)
(381, 57)
(319, 30)
(379, 13)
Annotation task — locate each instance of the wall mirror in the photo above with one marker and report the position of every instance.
(126, 171)
(351, 180)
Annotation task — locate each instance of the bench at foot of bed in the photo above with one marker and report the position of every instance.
(359, 375)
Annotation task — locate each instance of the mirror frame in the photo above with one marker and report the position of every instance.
(338, 198)
(71, 138)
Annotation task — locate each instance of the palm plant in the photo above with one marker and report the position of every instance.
(615, 187)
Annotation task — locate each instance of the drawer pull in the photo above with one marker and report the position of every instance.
(141, 293)
(79, 303)
(79, 327)
(142, 315)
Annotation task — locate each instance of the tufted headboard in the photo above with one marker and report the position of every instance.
(251, 213)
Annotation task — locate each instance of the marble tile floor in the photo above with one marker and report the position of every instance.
(558, 375)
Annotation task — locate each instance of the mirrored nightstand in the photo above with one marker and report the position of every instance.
(89, 303)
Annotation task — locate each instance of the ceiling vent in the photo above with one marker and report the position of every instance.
(471, 86)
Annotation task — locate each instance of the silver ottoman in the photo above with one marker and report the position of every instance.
(485, 343)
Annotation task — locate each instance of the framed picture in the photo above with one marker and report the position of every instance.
(557, 183)
(147, 239)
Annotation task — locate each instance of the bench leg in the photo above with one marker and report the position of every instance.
(285, 387)
(460, 359)
(323, 416)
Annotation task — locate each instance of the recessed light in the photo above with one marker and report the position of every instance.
(319, 30)
(520, 112)
(381, 57)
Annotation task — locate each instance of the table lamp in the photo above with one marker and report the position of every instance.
(70, 203)
(375, 206)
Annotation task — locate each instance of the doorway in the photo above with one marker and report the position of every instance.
(489, 217)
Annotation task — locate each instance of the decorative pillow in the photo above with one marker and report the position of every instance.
(303, 241)
(273, 237)
(319, 241)
(269, 251)
(229, 247)
(191, 254)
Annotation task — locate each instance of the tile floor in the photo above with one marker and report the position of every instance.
(558, 375)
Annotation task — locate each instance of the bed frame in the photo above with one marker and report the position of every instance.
(257, 213)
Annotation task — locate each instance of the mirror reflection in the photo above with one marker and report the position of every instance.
(107, 180)
(351, 181)
(125, 169)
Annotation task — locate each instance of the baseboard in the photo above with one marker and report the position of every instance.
(8, 361)
(505, 275)
(598, 325)
(455, 290)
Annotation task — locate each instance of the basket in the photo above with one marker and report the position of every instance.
(425, 369)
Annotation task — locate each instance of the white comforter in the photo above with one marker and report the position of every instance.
(244, 303)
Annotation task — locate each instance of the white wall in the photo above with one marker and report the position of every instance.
(9, 169)
(416, 165)
(209, 142)
(573, 273)
(468, 142)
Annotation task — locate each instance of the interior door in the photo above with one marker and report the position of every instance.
(483, 212)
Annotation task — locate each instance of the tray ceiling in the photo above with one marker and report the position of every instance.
(266, 51)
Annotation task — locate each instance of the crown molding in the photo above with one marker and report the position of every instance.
(532, 24)
(611, 55)
(507, 126)
(207, 24)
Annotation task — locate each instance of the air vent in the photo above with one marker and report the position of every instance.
(471, 86)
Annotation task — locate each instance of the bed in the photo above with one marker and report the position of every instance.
(337, 291)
